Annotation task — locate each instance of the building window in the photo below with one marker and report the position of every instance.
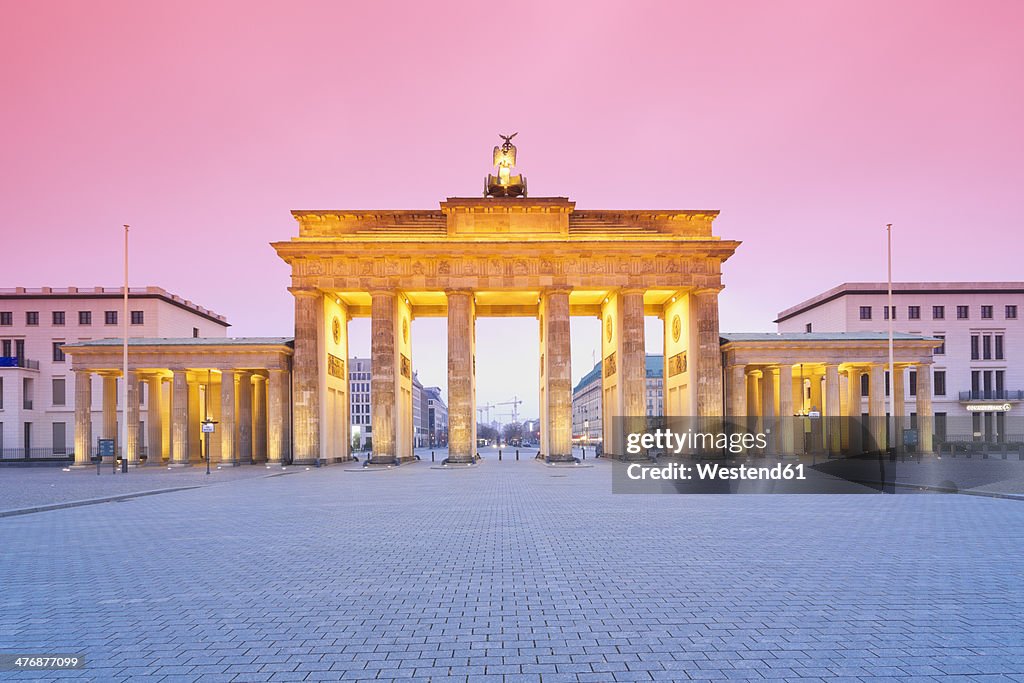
(913, 382)
(865, 384)
(58, 352)
(6, 318)
(975, 353)
(986, 347)
(60, 446)
(59, 391)
(986, 312)
(195, 332)
(886, 310)
(940, 350)
(938, 312)
(1, 400)
(137, 318)
(110, 317)
(939, 387)
(1011, 312)
(913, 312)
(999, 346)
(58, 318)
(31, 317)
(85, 317)
(963, 312)
(865, 313)
(807, 327)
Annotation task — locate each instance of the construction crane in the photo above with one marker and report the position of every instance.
(485, 409)
(515, 403)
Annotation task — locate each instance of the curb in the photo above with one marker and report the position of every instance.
(93, 501)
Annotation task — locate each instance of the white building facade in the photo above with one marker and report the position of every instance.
(37, 386)
(978, 372)
(359, 388)
(586, 400)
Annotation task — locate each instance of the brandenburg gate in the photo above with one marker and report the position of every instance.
(504, 254)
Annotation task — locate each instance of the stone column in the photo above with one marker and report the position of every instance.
(899, 404)
(876, 405)
(737, 391)
(832, 410)
(633, 364)
(558, 375)
(461, 395)
(785, 422)
(816, 402)
(853, 406)
(179, 419)
(259, 418)
(383, 375)
(83, 419)
(277, 416)
(306, 363)
(110, 408)
(925, 417)
(228, 456)
(753, 394)
(154, 420)
(131, 446)
(706, 362)
(244, 417)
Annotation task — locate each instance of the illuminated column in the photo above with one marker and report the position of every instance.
(195, 433)
(785, 421)
(259, 418)
(306, 363)
(110, 406)
(768, 423)
(753, 394)
(706, 361)
(925, 418)
(634, 358)
(832, 409)
(876, 405)
(737, 391)
(227, 457)
(853, 406)
(557, 375)
(179, 419)
(83, 418)
(131, 445)
(461, 394)
(244, 417)
(277, 416)
(816, 402)
(154, 420)
(391, 377)
(899, 403)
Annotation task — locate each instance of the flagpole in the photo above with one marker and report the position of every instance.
(891, 441)
(124, 353)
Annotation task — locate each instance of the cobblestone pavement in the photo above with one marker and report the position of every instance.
(515, 572)
(26, 487)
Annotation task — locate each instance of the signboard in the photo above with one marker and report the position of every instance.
(106, 448)
(208, 427)
(910, 437)
(814, 414)
(335, 366)
(988, 407)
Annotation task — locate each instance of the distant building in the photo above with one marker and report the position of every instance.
(586, 399)
(37, 387)
(359, 391)
(437, 418)
(977, 382)
(420, 410)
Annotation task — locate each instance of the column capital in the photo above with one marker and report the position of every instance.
(707, 291)
(384, 292)
(632, 290)
(555, 289)
(466, 291)
(305, 292)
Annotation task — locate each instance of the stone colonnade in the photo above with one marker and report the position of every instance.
(241, 385)
(820, 381)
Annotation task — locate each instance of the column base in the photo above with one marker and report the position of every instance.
(560, 458)
(228, 463)
(176, 465)
(155, 463)
(82, 466)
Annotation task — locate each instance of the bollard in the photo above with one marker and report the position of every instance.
(431, 456)
(499, 455)
(517, 455)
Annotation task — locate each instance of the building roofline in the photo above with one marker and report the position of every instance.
(134, 342)
(149, 292)
(875, 288)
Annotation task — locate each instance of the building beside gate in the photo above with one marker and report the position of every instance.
(38, 391)
(977, 381)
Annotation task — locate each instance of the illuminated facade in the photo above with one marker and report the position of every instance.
(499, 256)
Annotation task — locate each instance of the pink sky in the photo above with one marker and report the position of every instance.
(809, 125)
